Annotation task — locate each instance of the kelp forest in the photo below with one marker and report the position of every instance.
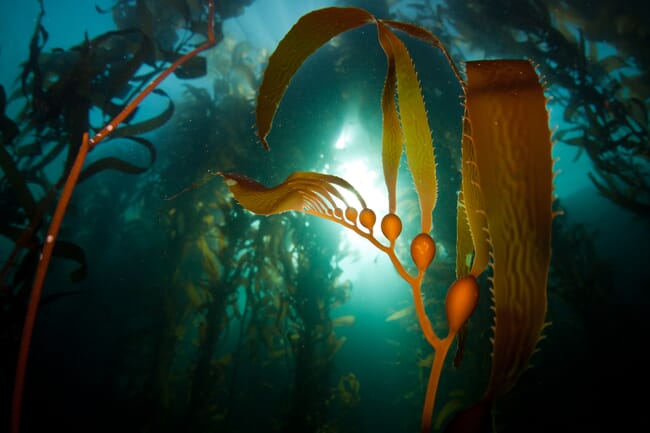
(183, 248)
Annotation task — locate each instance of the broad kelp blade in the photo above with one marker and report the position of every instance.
(473, 201)
(415, 129)
(512, 143)
(311, 32)
(302, 192)
(391, 141)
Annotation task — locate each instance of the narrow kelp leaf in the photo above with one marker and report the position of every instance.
(311, 32)
(195, 67)
(308, 192)
(8, 128)
(415, 128)
(71, 251)
(425, 36)
(113, 163)
(17, 182)
(149, 124)
(391, 140)
(464, 244)
(473, 201)
(511, 139)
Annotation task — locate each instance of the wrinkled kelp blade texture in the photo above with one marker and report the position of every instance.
(506, 108)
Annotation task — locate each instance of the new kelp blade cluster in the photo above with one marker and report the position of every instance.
(409, 127)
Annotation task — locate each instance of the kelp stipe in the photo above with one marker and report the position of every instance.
(504, 209)
(70, 182)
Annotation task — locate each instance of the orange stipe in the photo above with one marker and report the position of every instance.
(391, 227)
(423, 249)
(461, 301)
(368, 218)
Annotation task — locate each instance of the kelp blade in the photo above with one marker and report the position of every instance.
(506, 107)
(302, 191)
(391, 140)
(415, 129)
(311, 32)
(473, 200)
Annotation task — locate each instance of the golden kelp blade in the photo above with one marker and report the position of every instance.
(391, 139)
(425, 36)
(415, 126)
(473, 200)
(311, 32)
(302, 191)
(464, 246)
(506, 108)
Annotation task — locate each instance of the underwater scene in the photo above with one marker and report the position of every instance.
(324, 216)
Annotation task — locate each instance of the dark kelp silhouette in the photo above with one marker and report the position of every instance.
(603, 92)
(504, 210)
(45, 110)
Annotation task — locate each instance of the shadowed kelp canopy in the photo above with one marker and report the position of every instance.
(74, 174)
(504, 209)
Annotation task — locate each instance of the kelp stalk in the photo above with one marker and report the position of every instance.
(55, 224)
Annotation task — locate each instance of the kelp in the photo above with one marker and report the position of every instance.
(60, 87)
(603, 93)
(504, 209)
(64, 105)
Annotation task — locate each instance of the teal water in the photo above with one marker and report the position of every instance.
(195, 315)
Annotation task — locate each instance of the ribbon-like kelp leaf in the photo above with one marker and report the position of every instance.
(464, 244)
(425, 36)
(63, 249)
(474, 208)
(17, 182)
(68, 250)
(308, 192)
(391, 141)
(36, 44)
(126, 51)
(149, 124)
(311, 32)
(8, 128)
(415, 128)
(113, 163)
(196, 67)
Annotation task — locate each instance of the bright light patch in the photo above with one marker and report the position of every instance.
(367, 181)
(343, 140)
